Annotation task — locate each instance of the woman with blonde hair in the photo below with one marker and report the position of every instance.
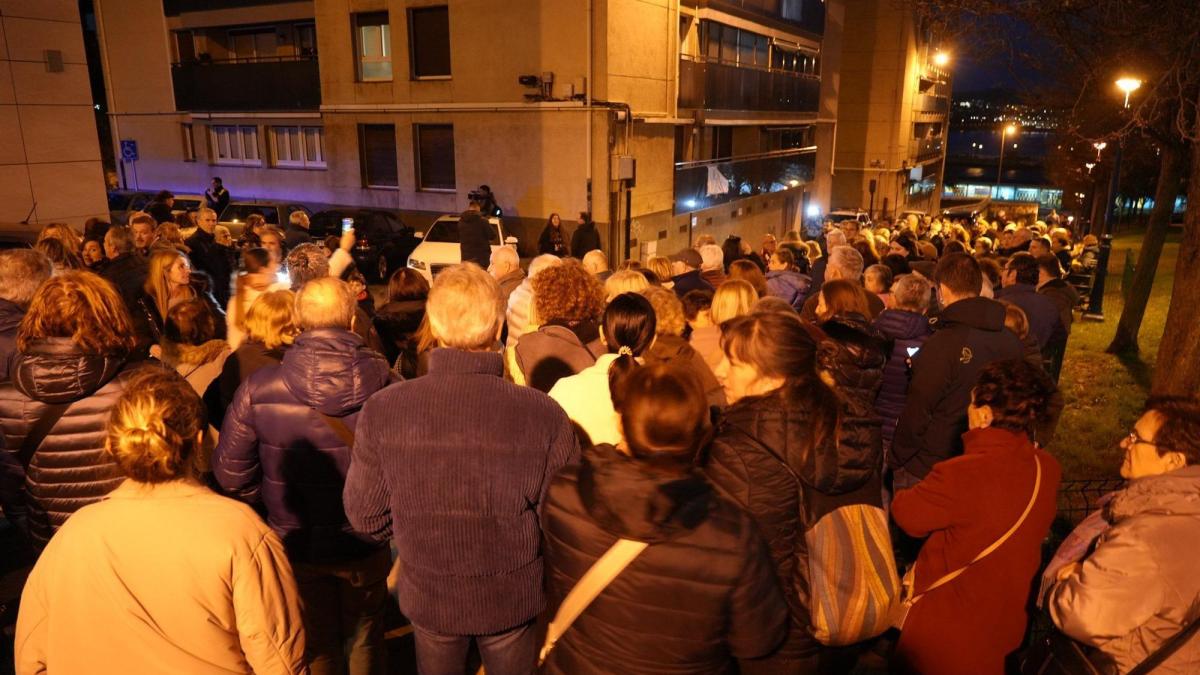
(661, 267)
(197, 581)
(270, 327)
(169, 282)
(71, 365)
(64, 233)
(733, 298)
(624, 281)
(259, 276)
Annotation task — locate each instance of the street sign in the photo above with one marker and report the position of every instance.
(129, 151)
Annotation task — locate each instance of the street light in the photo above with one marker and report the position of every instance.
(1099, 146)
(940, 59)
(1128, 85)
(1009, 130)
(1090, 166)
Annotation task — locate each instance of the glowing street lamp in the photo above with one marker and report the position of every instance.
(1090, 166)
(940, 59)
(1009, 130)
(1099, 146)
(1128, 85)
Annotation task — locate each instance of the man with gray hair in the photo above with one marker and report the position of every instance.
(506, 270)
(907, 326)
(307, 263)
(843, 262)
(596, 264)
(453, 467)
(521, 299)
(285, 444)
(209, 256)
(125, 268)
(22, 271)
(833, 238)
(712, 264)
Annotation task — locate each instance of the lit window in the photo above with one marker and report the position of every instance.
(373, 46)
(236, 145)
(189, 143)
(302, 147)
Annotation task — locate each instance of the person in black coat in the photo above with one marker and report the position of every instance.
(270, 328)
(586, 237)
(285, 443)
(475, 235)
(723, 601)
(685, 265)
(216, 197)
(398, 322)
(553, 239)
(1020, 288)
(125, 269)
(22, 272)
(968, 335)
(160, 208)
(209, 256)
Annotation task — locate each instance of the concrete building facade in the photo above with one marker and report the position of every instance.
(893, 113)
(664, 119)
(50, 167)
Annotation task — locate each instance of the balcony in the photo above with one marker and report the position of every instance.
(927, 103)
(925, 148)
(701, 185)
(276, 83)
(808, 15)
(708, 85)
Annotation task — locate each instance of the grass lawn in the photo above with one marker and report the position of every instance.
(1105, 393)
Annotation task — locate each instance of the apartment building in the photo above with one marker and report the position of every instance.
(50, 168)
(663, 118)
(893, 112)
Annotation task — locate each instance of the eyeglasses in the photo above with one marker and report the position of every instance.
(1135, 439)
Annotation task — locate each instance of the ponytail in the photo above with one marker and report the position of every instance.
(629, 326)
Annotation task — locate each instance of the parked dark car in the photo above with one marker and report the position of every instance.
(18, 235)
(384, 241)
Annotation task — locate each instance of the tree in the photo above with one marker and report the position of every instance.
(1088, 44)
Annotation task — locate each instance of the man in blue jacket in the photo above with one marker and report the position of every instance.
(454, 466)
(285, 444)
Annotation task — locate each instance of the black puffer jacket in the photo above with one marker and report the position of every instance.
(908, 331)
(967, 336)
(69, 469)
(745, 464)
(855, 354)
(277, 449)
(721, 602)
(398, 325)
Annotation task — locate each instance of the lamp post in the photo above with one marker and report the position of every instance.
(1007, 131)
(1127, 85)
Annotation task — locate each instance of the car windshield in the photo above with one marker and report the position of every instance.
(186, 204)
(839, 217)
(238, 213)
(446, 231)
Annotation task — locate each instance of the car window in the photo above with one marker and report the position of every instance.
(186, 204)
(118, 201)
(394, 223)
(447, 231)
(139, 202)
(238, 213)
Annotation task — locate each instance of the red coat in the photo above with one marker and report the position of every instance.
(964, 505)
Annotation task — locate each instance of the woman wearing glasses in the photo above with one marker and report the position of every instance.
(1139, 587)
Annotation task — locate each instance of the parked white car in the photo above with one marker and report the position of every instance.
(440, 246)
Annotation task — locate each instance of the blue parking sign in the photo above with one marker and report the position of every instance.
(129, 151)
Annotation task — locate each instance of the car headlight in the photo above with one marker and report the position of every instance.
(416, 264)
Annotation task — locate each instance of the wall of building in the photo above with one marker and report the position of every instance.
(50, 168)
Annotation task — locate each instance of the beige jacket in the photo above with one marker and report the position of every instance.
(168, 578)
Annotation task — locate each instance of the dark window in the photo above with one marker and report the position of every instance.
(429, 41)
(446, 231)
(377, 144)
(435, 156)
(722, 142)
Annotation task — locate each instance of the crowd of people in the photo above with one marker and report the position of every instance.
(225, 458)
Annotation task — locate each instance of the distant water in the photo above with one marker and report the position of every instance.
(982, 143)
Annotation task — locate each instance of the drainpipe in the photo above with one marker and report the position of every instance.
(588, 103)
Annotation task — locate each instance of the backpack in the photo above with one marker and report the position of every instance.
(853, 588)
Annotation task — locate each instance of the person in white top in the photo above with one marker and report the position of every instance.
(627, 331)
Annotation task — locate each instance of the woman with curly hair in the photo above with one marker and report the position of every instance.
(567, 305)
(1002, 488)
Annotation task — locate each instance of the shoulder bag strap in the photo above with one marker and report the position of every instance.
(594, 581)
(1037, 486)
(50, 416)
(339, 428)
(1167, 649)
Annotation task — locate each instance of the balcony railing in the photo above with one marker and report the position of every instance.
(709, 85)
(290, 83)
(700, 185)
(922, 148)
(807, 14)
(932, 104)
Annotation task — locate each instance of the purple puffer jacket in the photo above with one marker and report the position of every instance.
(276, 448)
(908, 330)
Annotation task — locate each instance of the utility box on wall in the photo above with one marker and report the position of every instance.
(624, 167)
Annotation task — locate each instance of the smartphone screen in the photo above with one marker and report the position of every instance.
(912, 351)
(347, 224)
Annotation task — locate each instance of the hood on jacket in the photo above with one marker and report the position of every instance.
(583, 333)
(54, 370)
(175, 354)
(639, 501)
(332, 371)
(1175, 493)
(862, 346)
(900, 324)
(981, 313)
